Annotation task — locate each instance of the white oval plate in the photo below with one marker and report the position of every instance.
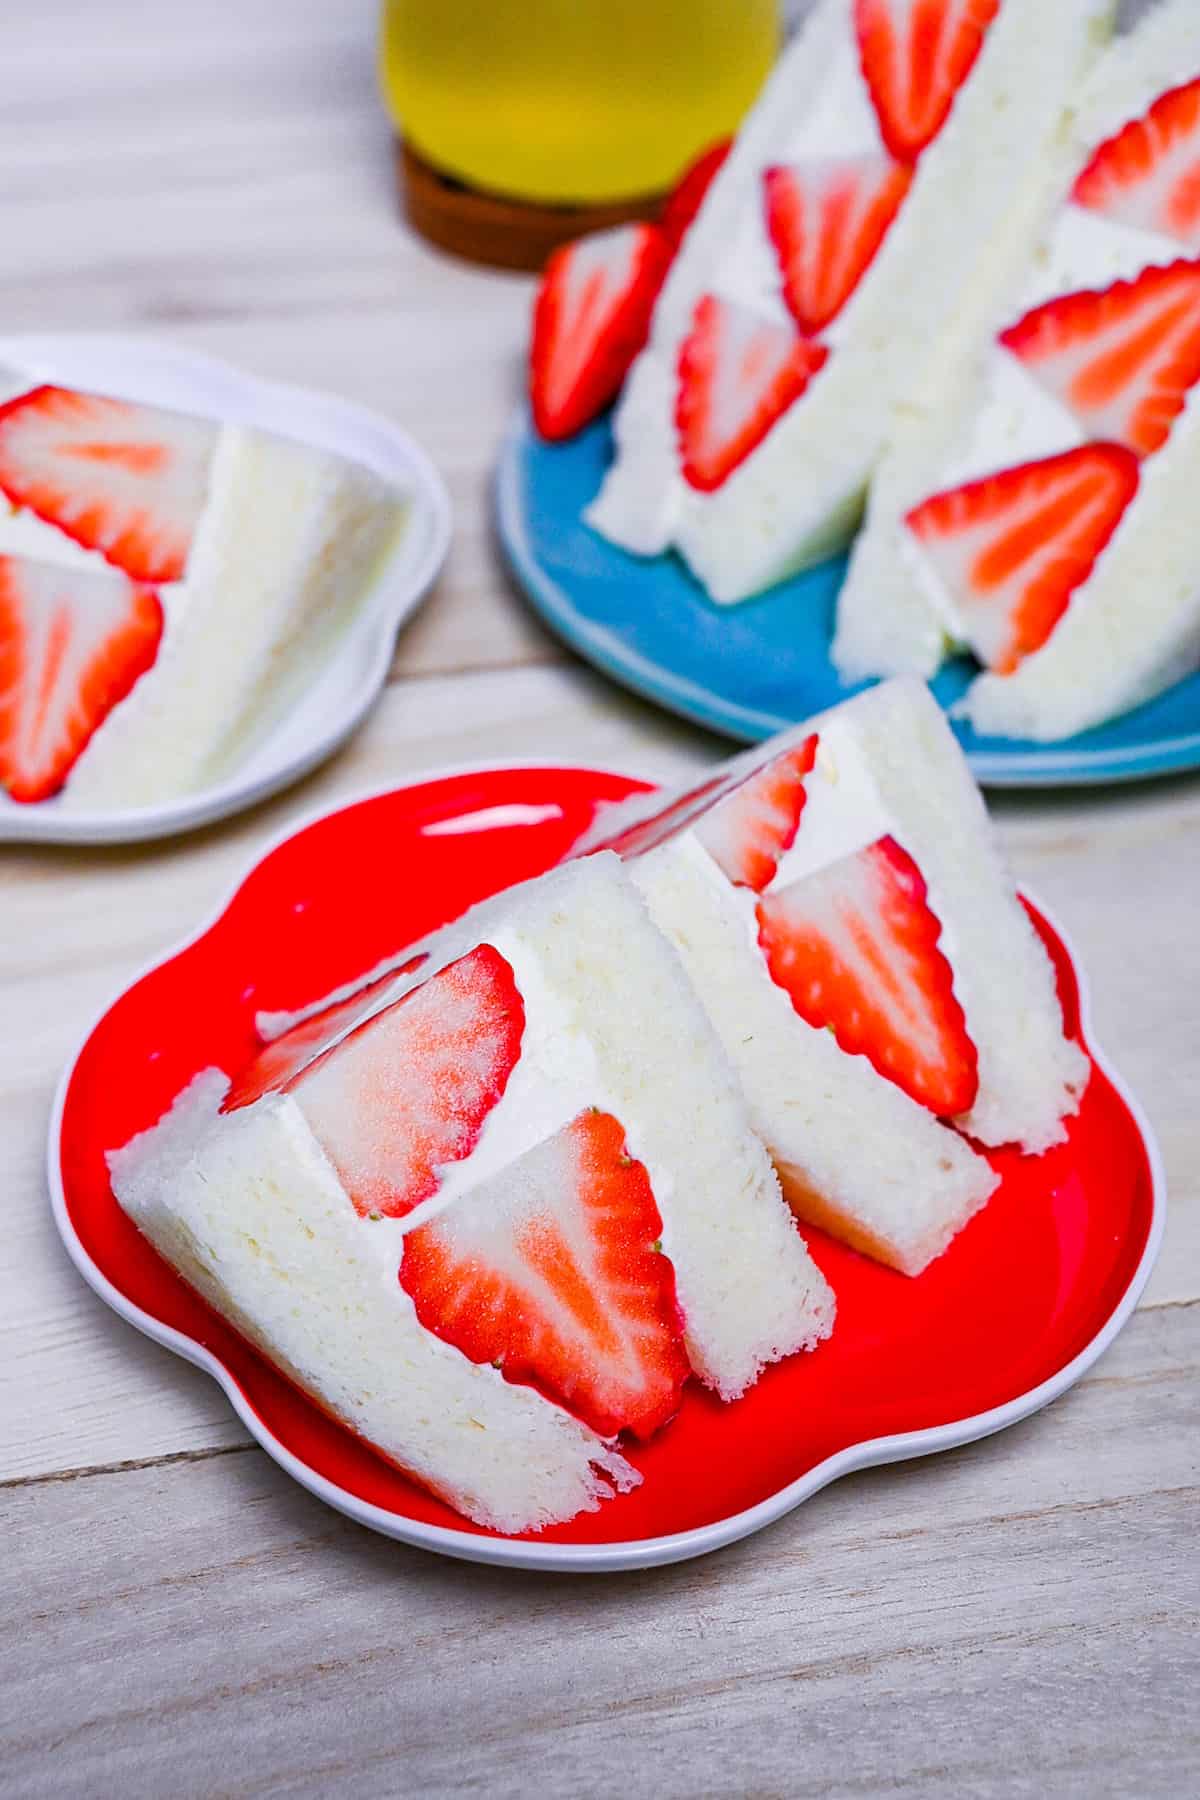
(338, 698)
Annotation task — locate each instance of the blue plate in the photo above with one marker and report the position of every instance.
(754, 669)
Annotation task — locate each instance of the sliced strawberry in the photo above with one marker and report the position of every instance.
(1013, 547)
(826, 220)
(411, 1089)
(553, 1271)
(127, 480)
(748, 831)
(72, 644)
(915, 55)
(687, 196)
(590, 319)
(1148, 174)
(855, 947)
(284, 1057)
(738, 373)
(659, 826)
(1123, 359)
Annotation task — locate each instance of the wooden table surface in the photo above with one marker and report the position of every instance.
(1016, 1618)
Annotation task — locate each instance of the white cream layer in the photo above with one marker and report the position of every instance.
(289, 539)
(642, 507)
(556, 1077)
(797, 498)
(843, 813)
(1018, 421)
(842, 122)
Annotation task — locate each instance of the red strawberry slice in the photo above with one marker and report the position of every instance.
(1013, 547)
(687, 196)
(1148, 174)
(738, 374)
(72, 644)
(659, 826)
(855, 947)
(590, 319)
(826, 220)
(127, 480)
(1123, 359)
(915, 55)
(284, 1057)
(411, 1089)
(748, 831)
(553, 1271)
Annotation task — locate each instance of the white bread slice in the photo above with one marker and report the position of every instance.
(248, 1209)
(288, 545)
(610, 1022)
(977, 187)
(1131, 630)
(1135, 625)
(855, 1152)
(1031, 1076)
(622, 1005)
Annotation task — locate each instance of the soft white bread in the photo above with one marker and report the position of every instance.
(977, 187)
(248, 1206)
(1131, 629)
(855, 1154)
(749, 1291)
(1134, 626)
(1031, 1076)
(889, 762)
(622, 1006)
(248, 1209)
(287, 547)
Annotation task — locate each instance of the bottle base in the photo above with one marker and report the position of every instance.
(495, 229)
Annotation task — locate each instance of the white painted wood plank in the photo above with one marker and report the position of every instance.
(1016, 1619)
(226, 183)
(1007, 1620)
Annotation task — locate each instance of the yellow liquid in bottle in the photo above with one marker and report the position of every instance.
(572, 100)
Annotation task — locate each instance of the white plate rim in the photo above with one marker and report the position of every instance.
(399, 590)
(643, 1553)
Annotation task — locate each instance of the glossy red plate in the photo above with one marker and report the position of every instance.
(1022, 1303)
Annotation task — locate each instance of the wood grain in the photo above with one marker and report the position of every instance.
(1015, 1619)
(222, 177)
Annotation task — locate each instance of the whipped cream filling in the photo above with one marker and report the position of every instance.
(556, 1077)
(1018, 421)
(644, 495)
(841, 123)
(843, 809)
(843, 813)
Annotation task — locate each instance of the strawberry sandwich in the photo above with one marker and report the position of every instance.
(886, 179)
(1047, 519)
(165, 584)
(496, 1207)
(842, 909)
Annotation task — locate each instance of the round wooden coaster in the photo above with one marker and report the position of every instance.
(489, 228)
